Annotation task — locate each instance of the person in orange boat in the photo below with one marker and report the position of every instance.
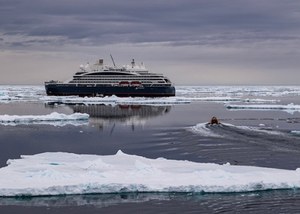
(214, 121)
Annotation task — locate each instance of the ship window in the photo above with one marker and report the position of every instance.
(108, 73)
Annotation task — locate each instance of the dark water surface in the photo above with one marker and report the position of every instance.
(159, 131)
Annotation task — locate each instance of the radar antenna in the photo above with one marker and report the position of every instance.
(112, 59)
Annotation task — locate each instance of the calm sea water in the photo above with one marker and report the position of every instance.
(160, 131)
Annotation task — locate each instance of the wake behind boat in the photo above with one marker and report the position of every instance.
(102, 80)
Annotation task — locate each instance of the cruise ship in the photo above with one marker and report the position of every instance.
(101, 80)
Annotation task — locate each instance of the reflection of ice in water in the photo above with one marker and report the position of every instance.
(98, 200)
(66, 173)
(125, 114)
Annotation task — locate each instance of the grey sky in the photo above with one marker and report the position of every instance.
(191, 41)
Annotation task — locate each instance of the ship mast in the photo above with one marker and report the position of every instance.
(112, 59)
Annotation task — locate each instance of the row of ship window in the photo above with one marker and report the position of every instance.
(122, 79)
(103, 81)
(94, 85)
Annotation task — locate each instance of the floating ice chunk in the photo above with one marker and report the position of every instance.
(295, 132)
(17, 93)
(289, 107)
(66, 173)
(114, 100)
(4, 97)
(260, 101)
(53, 119)
(274, 91)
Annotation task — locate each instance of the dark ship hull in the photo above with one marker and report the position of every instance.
(61, 89)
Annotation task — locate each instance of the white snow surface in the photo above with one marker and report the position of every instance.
(52, 119)
(67, 173)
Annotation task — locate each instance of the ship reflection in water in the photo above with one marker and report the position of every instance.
(131, 115)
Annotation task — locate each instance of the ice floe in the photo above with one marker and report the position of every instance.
(114, 100)
(290, 108)
(264, 91)
(295, 132)
(67, 173)
(184, 95)
(19, 93)
(51, 119)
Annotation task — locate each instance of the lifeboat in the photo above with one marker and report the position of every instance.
(124, 83)
(135, 83)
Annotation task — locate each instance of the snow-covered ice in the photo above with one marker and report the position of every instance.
(67, 173)
(114, 100)
(238, 91)
(52, 119)
(184, 95)
(20, 93)
(295, 132)
(291, 108)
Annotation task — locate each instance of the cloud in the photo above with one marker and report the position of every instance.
(231, 37)
(134, 21)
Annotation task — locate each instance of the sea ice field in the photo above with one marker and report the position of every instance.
(127, 154)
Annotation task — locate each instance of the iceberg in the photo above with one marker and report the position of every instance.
(67, 173)
(53, 119)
